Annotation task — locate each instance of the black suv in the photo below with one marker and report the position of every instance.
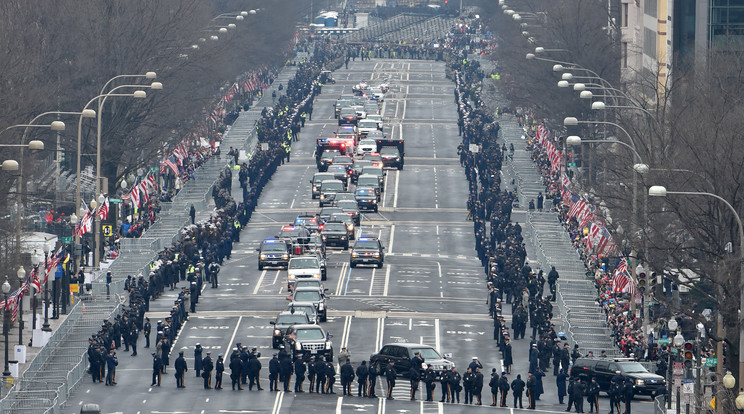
(336, 234)
(273, 252)
(366, 198)
(367, 251)
(603, 369)
(283, 321)
(402, 353)
(391, 157)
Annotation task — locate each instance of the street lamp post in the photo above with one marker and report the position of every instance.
(661, 191)
(21, 273)
(6, 326)
(38, 261)
(46, 327)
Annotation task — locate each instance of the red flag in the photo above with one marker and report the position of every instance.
(103, 210)
(135, 196)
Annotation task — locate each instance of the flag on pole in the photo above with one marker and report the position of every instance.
(103, 209)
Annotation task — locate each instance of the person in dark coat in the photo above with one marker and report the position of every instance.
(300, 369)
(531, 390)
(477, 385)
(311, 373)
(330, 372)
(254, 372)
(219, 369)
(390, 375)
(560, 382)
(285, 372)
(539, 374)
(508, 359)
(111, 363)
(347, 377)
(577, 395)
(181, 369)
(565, 358)
(372, 375)
(274, 373)
(414, 376)
(592, 396)
(455, 386)
(628, 394)
(361, 373)
(157, 369)
(236, 367)
(444, 382)
(198, 359)
(504, 388)
(430, 378)
(207, 367)
(517, 387)
(467, 385)
(192, 214)
(494, 385)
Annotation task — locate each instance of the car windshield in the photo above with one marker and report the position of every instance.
(333, 186)
(308, 296)
(349, 204)
(274, 247)
(368, 181)
(367, 124)
(366, 244)
(337, 168)
(297, 318)
(307, 309)
(321, 178)
(372, 171)
(389, 151)
(307, 283)
(310, 334)
(633, 368)
(329, 155)
(342, 160)
(342, 217)
(334, 227)
(303, 263)
(426, 353)
(344, 197)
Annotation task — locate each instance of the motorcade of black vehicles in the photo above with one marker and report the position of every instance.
(316, 180)
(371, 108)
(346, 220)
(343, 145)
(318, 299)
(369, 180)
(356, 169)
(346, 131)
(325, 158)
(307, 341)
(366, 198)
(274, 253)
(328, 190)
(340, 173)
(310, 221)
(336, 234)
(386, 141)
(305, 307)
(391, 157)
(303, 283)
(366, 126)
(351, 208)
(283, 321)
(401, 354)
(374, 158)
(344, 160)
(367, 251)
(603, 369)
(325, 212)
(340, 104)
(377, 172)
(347, 116)
(294, 235)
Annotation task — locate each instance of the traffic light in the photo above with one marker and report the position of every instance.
(688, 353)
(642, 282)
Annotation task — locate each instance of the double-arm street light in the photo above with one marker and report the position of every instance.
(6, 326)
(661, 191)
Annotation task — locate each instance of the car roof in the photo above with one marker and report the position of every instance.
(408, 345)
(290, 313)
(307, 326)
(306, 288)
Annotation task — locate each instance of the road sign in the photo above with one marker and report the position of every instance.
(663, 341)
(115, 200)
(711, 362)
(153, 169)
(67, 240)
(474, 148)
(107, 230)
(678, 369)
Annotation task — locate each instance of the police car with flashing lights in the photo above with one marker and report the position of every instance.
(273, 252)
(367, 251)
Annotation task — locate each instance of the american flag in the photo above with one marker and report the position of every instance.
(621, 280)
(135, 193)
(577, 207)
(170, 163)
(593, 236)
(143, 191)
(34, 279)
(103, 209)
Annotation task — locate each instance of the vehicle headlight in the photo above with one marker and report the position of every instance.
(329, 345)
(354, 254)
(350, 227)
(374, 201)
(639, 382)
(298, 346)
(291, 277)
(322, 196)
(377, 254)
(343, 237)
(324, 237)
(315, 188)
(262, 256)
(277, 332)
(285, 256)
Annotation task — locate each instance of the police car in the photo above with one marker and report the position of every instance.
(273, 252)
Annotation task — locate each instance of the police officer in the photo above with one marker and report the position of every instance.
(300, 369)
(493, 383)
(361, 373)
(430, 378)
(577, 395)
(446, 377)
(372, 376)
(207, 366)
(467, 383)
(616, 392)
(157, 369)
(560, 383)
(236, 368)
(285, 372)
(531, 390)
(254, 370)
(628, 394)
(517, 387)
(311, 374)
(347, 377)
(390, 375)
(219, 369)
(504, 388)
(477, 385)
(146, 329)
(320, 373)
(414, 376)
(455, 386)
(330, 372)
(592, 396)
(111, 363)
(274, 373)
(181, 369)
(198, 359)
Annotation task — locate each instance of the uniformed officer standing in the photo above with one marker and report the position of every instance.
(362, 372)
(616, 391)
(236, 366)
(254, 371)
(285, 372)
(198, 359)
(390, 375)
(531, 390)
(467, 384)
(628, 394)
(207, 366)
(493, 383)
(274, 373)
(414, 377)
(330, 371)
(311, 373)
(372, 376)
(477, 385)
(320, 373)
(430, 378)
(300, 369)
(111, 363)
(504, 388)
(219, 369)
(592, 396)
(347, 377)
(455, 386)
(577, 395)
(446, 377)
(181, 369)
(146, 330)
(517, 387)
(157, 369)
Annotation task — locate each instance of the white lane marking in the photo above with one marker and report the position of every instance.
(395, 195)
(345, 334)
(392, 238)
(276, 276)
(437, 339)
(258, 284)
(339, 402)
(410, 323)
(341, 279)
(440, 407)
(403, 115)
(372, 281)
(384, 198)
(232, 338)
(278, 403)
(439, 269)
(387, 281)
(437, 230)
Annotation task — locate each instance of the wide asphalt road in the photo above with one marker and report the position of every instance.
(430, 290)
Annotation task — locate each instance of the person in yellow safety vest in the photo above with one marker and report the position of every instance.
(191, 272)
(287, 150)
(302, 118)
(497, 76)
